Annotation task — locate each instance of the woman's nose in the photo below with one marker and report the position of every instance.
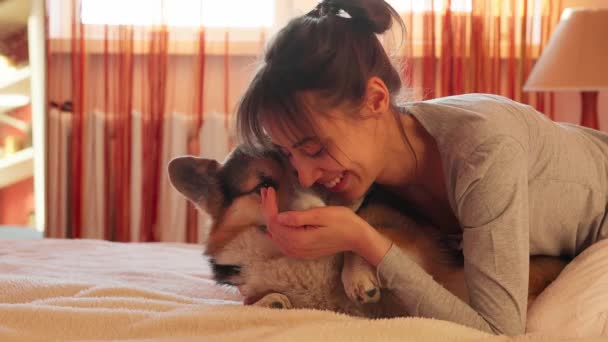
(306, 180)
(307, 174)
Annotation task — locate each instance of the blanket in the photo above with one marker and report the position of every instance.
(77, 290)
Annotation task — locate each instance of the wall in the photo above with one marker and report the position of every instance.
(586, 3)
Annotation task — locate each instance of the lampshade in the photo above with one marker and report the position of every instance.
(576, 57)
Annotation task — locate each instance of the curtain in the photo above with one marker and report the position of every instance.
(467, 46)
(124, 99)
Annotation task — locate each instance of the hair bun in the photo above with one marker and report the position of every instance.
(376, 14)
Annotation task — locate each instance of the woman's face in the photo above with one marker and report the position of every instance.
(342, 154)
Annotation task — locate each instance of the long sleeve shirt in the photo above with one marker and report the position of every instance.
(519, 185)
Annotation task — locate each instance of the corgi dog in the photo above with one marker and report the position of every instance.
(242, 255)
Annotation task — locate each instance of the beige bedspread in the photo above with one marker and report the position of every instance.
(96, 290)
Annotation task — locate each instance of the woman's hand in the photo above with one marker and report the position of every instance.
(323, 231)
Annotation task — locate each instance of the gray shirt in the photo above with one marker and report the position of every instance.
(520, 185)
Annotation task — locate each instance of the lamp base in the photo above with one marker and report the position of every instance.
(589, 117)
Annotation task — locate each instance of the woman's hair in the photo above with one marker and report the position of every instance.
(332, 52)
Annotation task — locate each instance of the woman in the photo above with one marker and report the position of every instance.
(510, 181)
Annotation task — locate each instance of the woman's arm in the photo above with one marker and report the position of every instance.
(492, 200)
(372, 246)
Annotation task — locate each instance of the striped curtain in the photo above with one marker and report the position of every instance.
(123, 101)
(126, 99)
(465, 46)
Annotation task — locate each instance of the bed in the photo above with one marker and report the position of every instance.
(53, 289)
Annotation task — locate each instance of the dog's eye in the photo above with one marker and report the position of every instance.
(265, 185)
(267, 182)
(264, 182)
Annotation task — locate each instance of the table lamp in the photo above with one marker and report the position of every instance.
(576, 59)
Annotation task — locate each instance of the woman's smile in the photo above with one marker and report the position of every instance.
(337, 183)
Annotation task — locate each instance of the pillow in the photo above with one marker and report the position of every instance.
(576, 303)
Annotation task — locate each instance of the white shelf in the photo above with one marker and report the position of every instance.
(11, 102)
(17, 167)
(15, 82)
(11, 121)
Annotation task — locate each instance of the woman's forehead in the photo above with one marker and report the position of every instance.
(286, 133)
(305, 119)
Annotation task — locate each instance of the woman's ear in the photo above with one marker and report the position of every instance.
(377, 97)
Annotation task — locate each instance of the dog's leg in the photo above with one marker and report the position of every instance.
(275, 301)
(359, 279)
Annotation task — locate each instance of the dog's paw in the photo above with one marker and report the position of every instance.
(362, 288)
(274, 301)
(359, 279)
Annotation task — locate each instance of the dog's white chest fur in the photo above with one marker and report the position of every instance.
(263, 270)
(314, 284)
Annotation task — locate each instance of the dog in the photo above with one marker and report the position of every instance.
(242, 255)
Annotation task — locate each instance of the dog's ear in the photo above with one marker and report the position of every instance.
(198, 180)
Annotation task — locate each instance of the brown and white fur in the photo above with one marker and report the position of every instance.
(242, 255)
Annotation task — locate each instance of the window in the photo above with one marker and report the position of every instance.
(180, 13)
(428, 5)
(245, 19)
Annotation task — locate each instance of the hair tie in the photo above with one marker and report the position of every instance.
(329, 7)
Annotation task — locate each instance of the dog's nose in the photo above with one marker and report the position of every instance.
(222, 273)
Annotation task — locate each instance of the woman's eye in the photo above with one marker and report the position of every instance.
(285, 153)
(319, 153)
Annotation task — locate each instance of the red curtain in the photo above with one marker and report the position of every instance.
(467, 46)
(125, 100)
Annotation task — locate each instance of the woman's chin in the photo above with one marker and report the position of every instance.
(345, 198)
(351, 195)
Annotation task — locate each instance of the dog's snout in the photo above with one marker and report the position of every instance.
(223, 273)
(304, 200)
